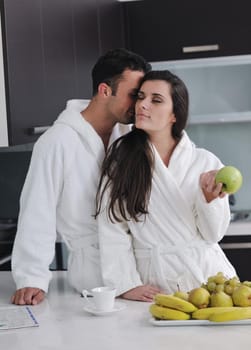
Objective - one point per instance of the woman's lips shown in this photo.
(142, 116)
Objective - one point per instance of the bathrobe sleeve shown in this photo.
(34, 244)
(118, 264)
(212, 218)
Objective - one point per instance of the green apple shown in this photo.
(230, 177)
(242, 296)
(200, 297)
(220, 299)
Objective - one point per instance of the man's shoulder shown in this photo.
(58, 135)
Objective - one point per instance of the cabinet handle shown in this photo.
(36, 130)
(245, 245)
(5, 260)
(200, 48)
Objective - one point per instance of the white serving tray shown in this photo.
(165, 323)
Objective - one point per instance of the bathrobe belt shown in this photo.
(83, 242)
(155, 252)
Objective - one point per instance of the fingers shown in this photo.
(209, 187)
(28, 296)
(18, 297)
(207, 181)
(38, 297)
(148, 293)
(142, 293)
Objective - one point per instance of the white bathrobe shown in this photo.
(176, 243)
(58, 198)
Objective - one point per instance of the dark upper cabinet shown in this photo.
(111, 24)
(49, 49)
(171, 30)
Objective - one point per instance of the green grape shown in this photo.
(219, 288)
(247, 283)
(211, 286)
(220, 278)
(204, 285)
(228, 289)
(210, 279)
(234, 281)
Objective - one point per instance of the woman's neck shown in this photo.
(165, 147)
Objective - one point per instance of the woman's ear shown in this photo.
(104, 89)
(173, 119)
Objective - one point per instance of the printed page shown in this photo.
(16, 317)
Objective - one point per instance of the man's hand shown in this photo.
(210, 189)
(28, 296)
(142, 293)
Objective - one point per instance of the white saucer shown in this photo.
(92, 310)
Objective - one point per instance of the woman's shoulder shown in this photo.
(208, 157)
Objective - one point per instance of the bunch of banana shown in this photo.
(173, 302)
(223, 314)
(242, 313)
(206, 313)
(169, 307)
(166, 313)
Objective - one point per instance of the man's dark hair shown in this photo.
(110, 67)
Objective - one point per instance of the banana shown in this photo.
(241, 313)
(165, 313)
(204, 314)
(174, 302)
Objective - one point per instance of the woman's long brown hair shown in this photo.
(127, 172)
(127, 168)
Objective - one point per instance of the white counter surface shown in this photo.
(64, 325)
(239, 228)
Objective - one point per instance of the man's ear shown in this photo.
(104, 89)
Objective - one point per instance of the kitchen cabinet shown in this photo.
(49, 49)
(238, 250)
(171, 30)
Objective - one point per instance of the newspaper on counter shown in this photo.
(12, 317)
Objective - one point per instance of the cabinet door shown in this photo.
(169, 30)
(238, 251)
(111, 26)
(50, 47)
(24, 74)
(86, 44)
(58, 61)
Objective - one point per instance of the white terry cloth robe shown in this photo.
(58, 198)
(176, 243)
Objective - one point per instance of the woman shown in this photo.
(159, 210)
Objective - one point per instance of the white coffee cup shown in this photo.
(103, 298)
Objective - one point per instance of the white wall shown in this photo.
(3, 114)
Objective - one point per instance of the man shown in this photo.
(59, 192)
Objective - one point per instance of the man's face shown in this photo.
(121, 105)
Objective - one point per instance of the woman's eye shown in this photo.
(140, 97)
(156, 101)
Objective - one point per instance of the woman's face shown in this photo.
(154, 107)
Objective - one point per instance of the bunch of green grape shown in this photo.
(220, 283)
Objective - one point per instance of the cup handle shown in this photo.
(85, 293)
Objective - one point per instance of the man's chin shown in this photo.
(131, 119)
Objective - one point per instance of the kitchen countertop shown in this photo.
(239, 228)
(64, 325)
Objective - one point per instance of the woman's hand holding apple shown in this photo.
(210, 189)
